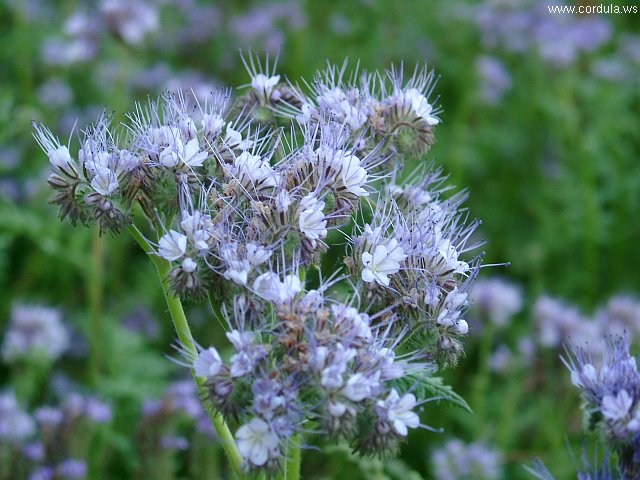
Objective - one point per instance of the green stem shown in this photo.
(483, 375)
(95, 289)
(294, 459)
(186, 340)
(505, 429)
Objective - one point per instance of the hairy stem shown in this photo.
(294, 459)
(186, 340)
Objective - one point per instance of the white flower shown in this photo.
(385, 261)
(105, 181)
(318, 357)
(126, 161)
(459, 327)
(212, 125)
(191, 154)
(398, 411)
(240, 340)
(616, 408)
(336, 102)
(269, 287)
(336, 409)
(588, 371)
(283, 201)
(208, 363)
(330, 99)
(60, 157)
(247, 354)
(257, 442)
(200, 239)
(389, 368)
(233, 139)
(172, 245)
(194, 226)
(264, 85)
(164, 135)
(188, 154)
(449, 316)
(253, 169)
(311, 220)
(238, 271)
(449, 255)
(190, 222)
(359, 387)
(96, 159)
(169, 156)
(307, 111)
(188, 265)
(418, 103)
(353, 175)
(354, 322)
(331, 375)
(188, 127)
(257, 254)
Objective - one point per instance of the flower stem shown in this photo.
(294, 459)
(95, 287)
(186, 340)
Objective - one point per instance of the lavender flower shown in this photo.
(72, 469)
(621, 314)
(257, 442)
(15, 424)
(494, 79)
(612, 398)
(130, 21)
(35, 329)
(521, 25)
(496, 299)
(558, 321)
(456, 461)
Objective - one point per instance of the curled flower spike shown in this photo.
(248, 202)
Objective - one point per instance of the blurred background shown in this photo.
(541, 115)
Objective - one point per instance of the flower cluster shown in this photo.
(245, 197)
(611, 395)
(313, 360)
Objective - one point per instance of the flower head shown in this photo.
(256, 442)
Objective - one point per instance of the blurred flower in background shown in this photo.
(34, 330)
(459, 461)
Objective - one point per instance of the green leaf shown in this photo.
(430, 387)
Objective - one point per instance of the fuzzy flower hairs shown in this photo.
(240, 199)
